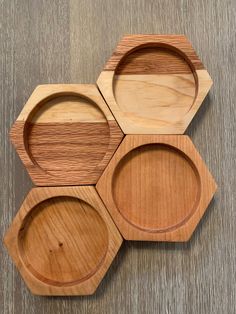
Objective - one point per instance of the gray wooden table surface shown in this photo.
(58, 41)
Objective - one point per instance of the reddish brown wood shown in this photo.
(63, 240)
(150, 60)
(156, 187)
(177, 43)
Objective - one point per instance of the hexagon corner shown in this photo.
(58, 256)
(65, 134)
(154, 84)
(156, 188)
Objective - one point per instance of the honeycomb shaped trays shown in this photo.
(153, 183)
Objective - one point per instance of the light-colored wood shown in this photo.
(65, 135)
(154, 84)
(156, 187)
(63, 240)
(70, 41)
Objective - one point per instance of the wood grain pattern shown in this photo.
(156, 187)
(63, 241)
(68, 108)
(152, 60)
(154, 84)
(64, 138)
(154, 103)
(70, 41)
(178, 43)
(84, 146)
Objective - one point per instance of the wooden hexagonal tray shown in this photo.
(156, 187)
(65, 135)
(63, 240)
(154, 84)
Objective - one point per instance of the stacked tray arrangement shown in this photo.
(109, 162)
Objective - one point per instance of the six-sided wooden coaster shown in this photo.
(156, 187)
(63, 240)
(65, 135)
(154, 84)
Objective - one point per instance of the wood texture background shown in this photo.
(58, 41)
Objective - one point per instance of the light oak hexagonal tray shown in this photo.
(154, 84)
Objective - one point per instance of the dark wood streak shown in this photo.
(66, 153)
(153, 61)
(61, 147)
(172, 43)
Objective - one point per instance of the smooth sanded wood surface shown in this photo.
(154, 84)
(63, 240)
(70, 42)
(156, 187)
(65, 134)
